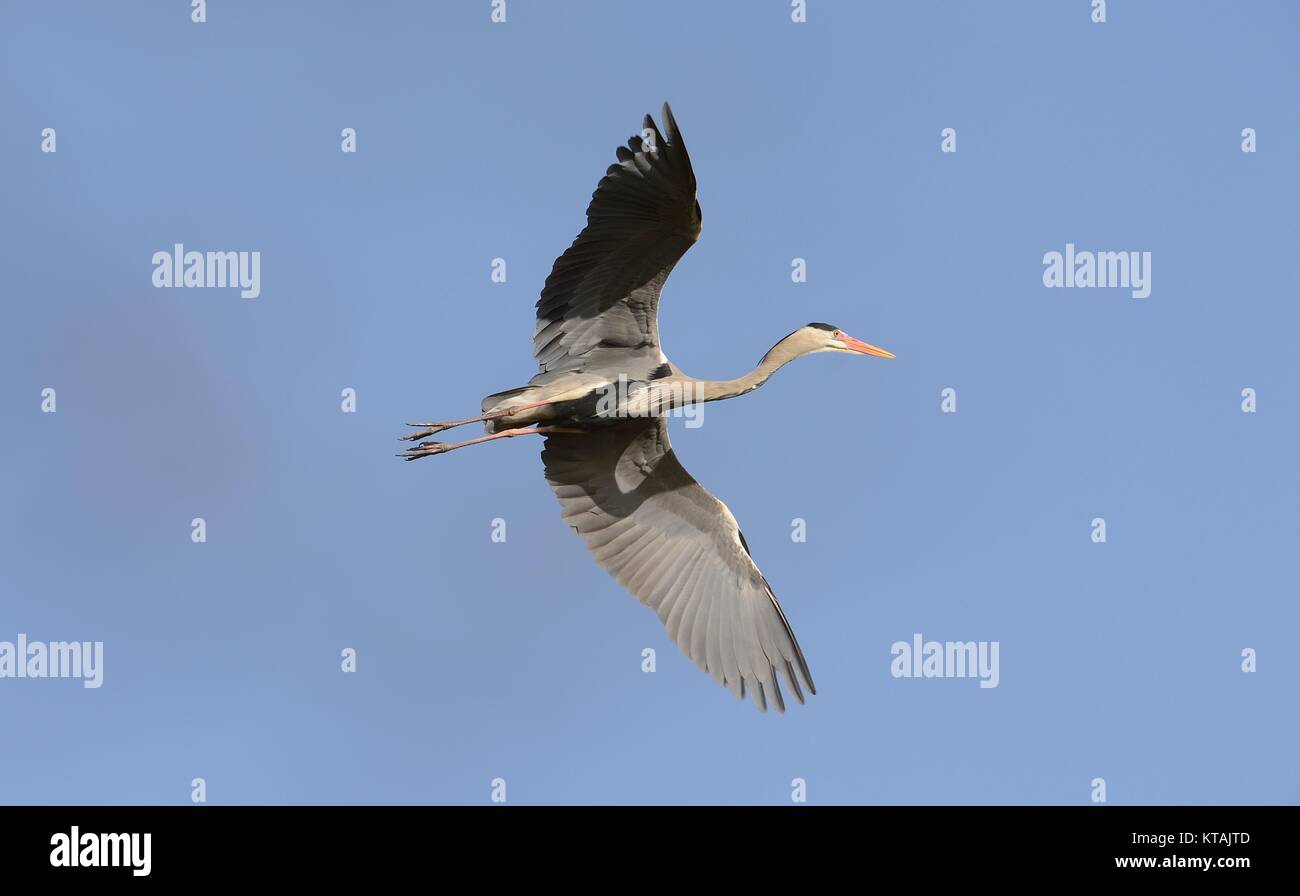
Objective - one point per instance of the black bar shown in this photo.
(334, 843)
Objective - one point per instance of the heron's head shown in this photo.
(818, 337)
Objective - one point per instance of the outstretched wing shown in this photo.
(678, 550)
(599, 309)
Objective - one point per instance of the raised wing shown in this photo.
(599, 309)
(678, 550)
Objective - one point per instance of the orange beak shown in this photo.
(862, 348)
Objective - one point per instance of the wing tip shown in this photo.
(670, 123)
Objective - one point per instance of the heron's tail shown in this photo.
(499, 401)
(497, 398)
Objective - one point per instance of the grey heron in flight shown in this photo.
(600, 399)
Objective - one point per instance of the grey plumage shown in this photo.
(679, 551)
(600, 305)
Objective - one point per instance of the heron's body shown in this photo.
(600, 397)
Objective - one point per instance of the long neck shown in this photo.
(781, 354)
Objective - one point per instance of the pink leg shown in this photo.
(434, 428)
(427, 449)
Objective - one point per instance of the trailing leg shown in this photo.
(428, 449)
(435, 428)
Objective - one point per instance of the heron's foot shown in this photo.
(430, 429)
(426, 449)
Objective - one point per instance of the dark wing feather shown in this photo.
(600, 305)
(678, 550)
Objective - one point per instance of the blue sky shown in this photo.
(522, 660)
